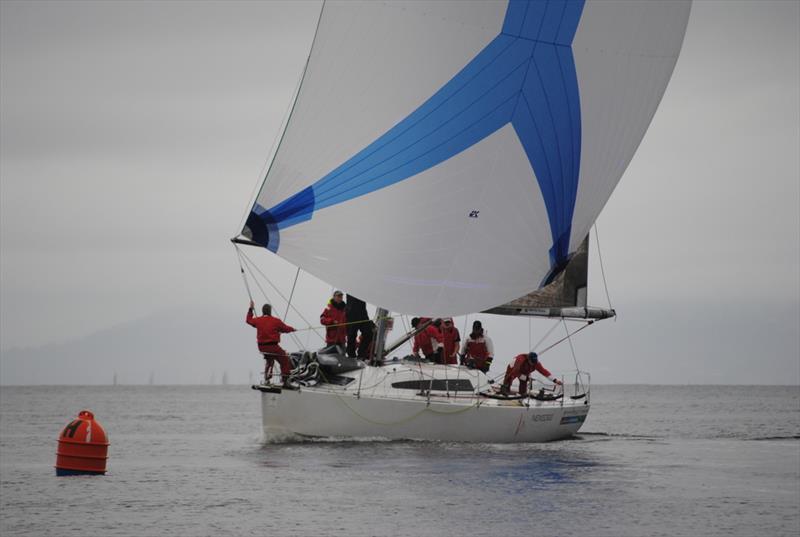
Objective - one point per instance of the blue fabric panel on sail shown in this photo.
(264, 225)
(525, 76)
(295, 209)
(474, 104)
(262, 228)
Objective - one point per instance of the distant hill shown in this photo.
(177, 348)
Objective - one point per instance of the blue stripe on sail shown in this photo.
(263, 229)
(525, 76)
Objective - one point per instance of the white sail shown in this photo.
(448, 157)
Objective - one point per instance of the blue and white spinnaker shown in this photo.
(447, 157)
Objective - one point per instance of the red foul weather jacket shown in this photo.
(521, 369)
(428, 340)
(268, 329)
(451, 339)
(332, 315)
(479, 349)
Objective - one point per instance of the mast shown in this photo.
(380, 337)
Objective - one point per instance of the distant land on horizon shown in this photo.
(198, 347)
(205, 344)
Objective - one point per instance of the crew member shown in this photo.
(268, 337)
(450, 340)
(429, 340)
(523, 366)
(477, 352)
(356, 310)
(334, 318)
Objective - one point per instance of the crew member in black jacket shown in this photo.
(357, 311)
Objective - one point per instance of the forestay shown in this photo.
(447, 157)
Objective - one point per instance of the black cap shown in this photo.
(533, 357)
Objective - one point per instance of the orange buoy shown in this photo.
(82, 447)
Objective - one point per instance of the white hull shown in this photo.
(378, 411)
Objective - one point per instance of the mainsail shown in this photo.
(447, 157)
(564, 296)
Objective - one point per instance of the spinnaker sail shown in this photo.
(447, 157)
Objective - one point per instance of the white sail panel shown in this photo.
(372, 64)
(404, 247)
(568, 290)
(625, 53)
(485, 136)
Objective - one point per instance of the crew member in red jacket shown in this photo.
(334, 317)
(478, 350)
(523, 366)
(268, 336)
(450, 339)
(429, 341)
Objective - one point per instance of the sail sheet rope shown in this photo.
(291, 295)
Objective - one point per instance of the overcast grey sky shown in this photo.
(132, 135)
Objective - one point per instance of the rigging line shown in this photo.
(249, 263)
(574, 359)
(338, 324)
(602, 270)
(289, 303)
(555, 325)
(292, 335)
(266, 297)
(244, 276)
(567, 337)
(405, 326)
(571, 348)
(406, 332)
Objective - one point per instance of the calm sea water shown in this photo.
(650, 460)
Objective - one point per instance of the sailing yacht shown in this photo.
(445, 158)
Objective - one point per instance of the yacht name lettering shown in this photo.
(543, 417)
